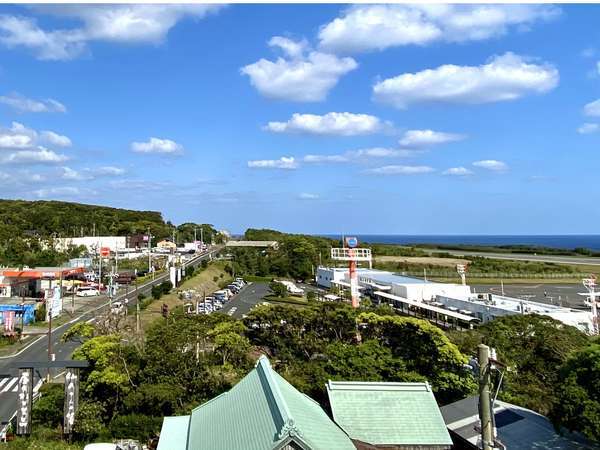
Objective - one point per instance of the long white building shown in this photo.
(93, 243)
(410, 288)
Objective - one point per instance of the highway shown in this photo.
(591, 261)
(37, 351)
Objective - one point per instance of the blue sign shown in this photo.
(351, 242)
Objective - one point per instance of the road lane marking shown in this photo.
(3, 380)
(9, 385)
(232, 311)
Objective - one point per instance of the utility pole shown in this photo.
(202, 235)
(195, 228)
(485, 410)
(137, 309)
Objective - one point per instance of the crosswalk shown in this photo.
(12, 385)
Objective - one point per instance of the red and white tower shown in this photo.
(351, 253)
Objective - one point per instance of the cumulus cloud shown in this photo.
(109, 23)
(157, 145)
(333, 123)
(588, 128)
(360, 155)
(502, 78)
(23, 104)
(90, 174)
(458, 171)
(492, 164)
(592, 109)
(376, 27)
(62, 191)
(285, 162)
(401, 170)
(308, 196)
(302, 75)
(35, 156)
(428, 138)
(56, 139)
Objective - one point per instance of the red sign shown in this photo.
(104, 251)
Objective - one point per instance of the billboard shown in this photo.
(71, 398)
(24, 400)
(54, 302)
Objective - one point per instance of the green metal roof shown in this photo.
(388, 413)
(262, 412)
(173, 434)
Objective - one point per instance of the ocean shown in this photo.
(591, 241)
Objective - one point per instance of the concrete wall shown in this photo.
(93, 243)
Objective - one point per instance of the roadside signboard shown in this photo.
(352, 242)
(9, 321)
(104, 251)
(25, 399)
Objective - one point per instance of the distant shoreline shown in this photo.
(563, 242)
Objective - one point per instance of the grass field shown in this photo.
(442, 262)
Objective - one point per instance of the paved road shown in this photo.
(246, 299)
(526, 257)
(38, 349)
(556, 294)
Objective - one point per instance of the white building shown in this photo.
(93, 243)
(379, 280)
(487, 307)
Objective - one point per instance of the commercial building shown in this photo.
(486, 307)
(166, 245)
(371, 280)
(517, 428)
(34, 282)
(93, 243)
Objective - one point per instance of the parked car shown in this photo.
(117, 308)
(87, 292)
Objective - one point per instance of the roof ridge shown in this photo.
(288, 427)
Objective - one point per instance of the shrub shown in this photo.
(135, 426)
(48, 409)
(89, 421)
(40, 313)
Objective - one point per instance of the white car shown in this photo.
(87, 292)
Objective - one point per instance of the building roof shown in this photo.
(263, 411)
(428, 306)
(173, 434)
(388, 413)
(518, 428)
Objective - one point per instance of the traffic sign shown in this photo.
(104, 251)
(352, 242)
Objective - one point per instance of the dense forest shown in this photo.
(28, 228)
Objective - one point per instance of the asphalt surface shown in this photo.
(525, 257)
(556, 294)
(246, 299)
(37, 350)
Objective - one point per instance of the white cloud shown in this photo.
(360, 155)
(401, 170)
(24, 104)
(90, 174)
(18, 136)
(492, 164)
(285, 162)
(61, 191)
(308, 196)
(71, 174)
(157, 145)
(592, 109)
(458, 171)
(302, 75)
(502, 78)
(55, 139)
(110, 170)
(377, 27)
(112, 23)
(37, 156)
(588, 128)
(333, 123)
(426, 138)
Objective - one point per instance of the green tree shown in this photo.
(577, 406)
(278, 289)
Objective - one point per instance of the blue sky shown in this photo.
(308, 118)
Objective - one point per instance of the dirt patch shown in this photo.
(442, 262)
